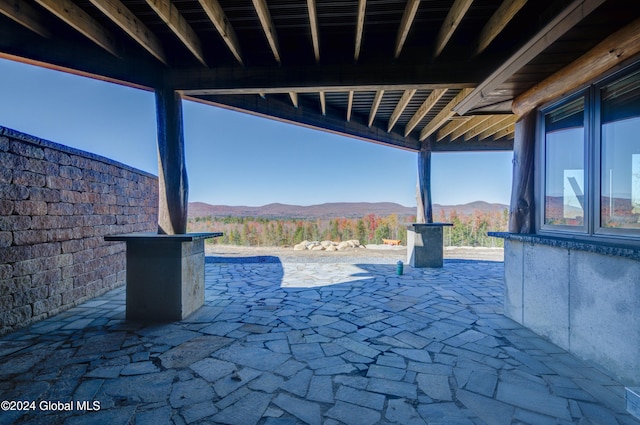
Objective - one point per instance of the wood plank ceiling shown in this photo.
(434, 74)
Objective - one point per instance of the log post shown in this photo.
(425, 209)
(173, 186)
(522, 209)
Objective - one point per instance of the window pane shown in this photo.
(564, 160)
(620, 167)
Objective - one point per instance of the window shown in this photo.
(590, 154)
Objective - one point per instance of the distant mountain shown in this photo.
(333, 209)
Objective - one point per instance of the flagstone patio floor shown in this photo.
(299, 342)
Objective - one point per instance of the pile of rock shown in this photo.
(328, 245)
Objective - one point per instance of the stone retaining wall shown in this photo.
(56, 205)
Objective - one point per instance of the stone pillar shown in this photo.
(425, 208)
(173, 186)
(522, 209)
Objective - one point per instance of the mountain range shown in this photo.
(333, 209)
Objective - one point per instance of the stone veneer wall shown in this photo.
(56, 205)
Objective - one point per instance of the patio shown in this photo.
(286, 342)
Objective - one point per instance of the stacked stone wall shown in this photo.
(56, 205)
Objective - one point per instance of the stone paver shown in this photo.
(308, 343)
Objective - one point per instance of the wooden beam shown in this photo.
(468, 126)
(217, 16)
(451, 22)
(80, 20)
(424, 109)
(332, 78)
(492, 121)
(349, 105)
(444, 115)
(323, 104)
(294, 98)
(362, 5)
(400, 107)
(130, 24)
(171, 16)
(554, 29)
(374, 106)
(614, 49)
(509, 119)
(313, 23)
(26, 15)
(497, 22)
(503, 133)
(407, 19)
(267, 26)
(452, 126)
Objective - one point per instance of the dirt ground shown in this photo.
(381, 252)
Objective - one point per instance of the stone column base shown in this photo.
(424, 245)
(165, 274)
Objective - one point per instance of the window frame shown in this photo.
(592, 229)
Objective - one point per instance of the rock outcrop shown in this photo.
(328, 245)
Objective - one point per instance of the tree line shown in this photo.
(467, 229)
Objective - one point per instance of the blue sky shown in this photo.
(235, 158)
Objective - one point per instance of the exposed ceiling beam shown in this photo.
(497, 22)
(452, 126)
(307, 115)
(349, 105)
(267, 26)
(80, 20)
(424, 109)
(451, 22)
(171, 16)
(323, 104)
(294, 98)
(506, 132)
(130, 24)
(554, 29)
(614, 49)
(493, 120)
(510, 119)
(444, 115)
(313, 78)
(407, 19)
(374, 106)
(217, 16)
(26, 15)
(362, 5)
(468, 126)
(400, 107)
(313, 23)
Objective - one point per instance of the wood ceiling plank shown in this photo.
(452, 126)
(130, 24)
(503, 15)
(313, 23)
(444, 115)
(400, 107)
(80, 20)
(423, 110)
(451, 22)
(267, 26)
(374, 106)
(552, 31)
(362, 5)
(26, 15)
(405, 24)
(219, 19)
(171, 16)
(469, 126)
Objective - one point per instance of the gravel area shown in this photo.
(376, 254)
